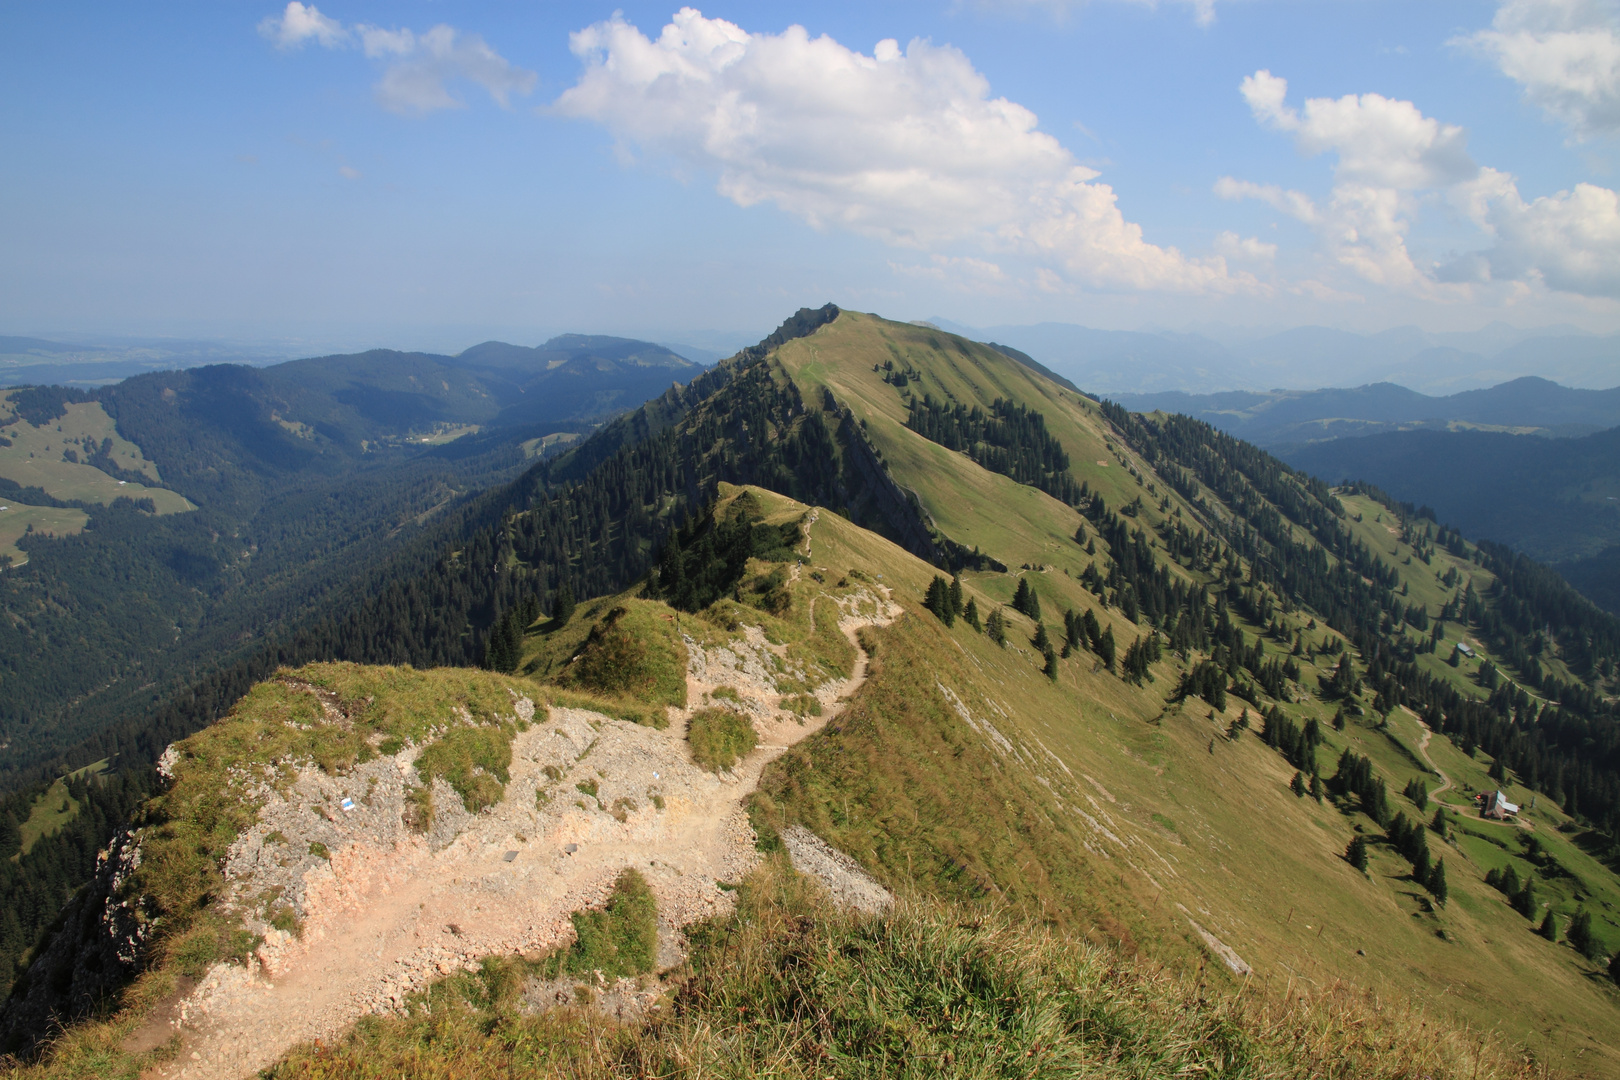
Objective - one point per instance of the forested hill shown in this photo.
(1556, 500)
(276, 490)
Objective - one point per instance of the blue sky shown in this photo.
(433, 174)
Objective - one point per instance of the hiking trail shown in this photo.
(389, 910)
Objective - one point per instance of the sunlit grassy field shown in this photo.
(37, 458)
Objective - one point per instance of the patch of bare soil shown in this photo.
(358, 911)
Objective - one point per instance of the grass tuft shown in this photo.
(720, 738)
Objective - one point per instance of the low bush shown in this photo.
(720, 738)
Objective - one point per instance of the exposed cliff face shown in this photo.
(96, 946)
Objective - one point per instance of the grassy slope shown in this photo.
(1218, 831)
(16, 519)
(35, 458)
(55, 807)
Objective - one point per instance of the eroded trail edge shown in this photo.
(387, 910)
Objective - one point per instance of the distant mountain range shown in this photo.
(569, 378)
(1116, 362)
(1556, 500)
(1526, 406)
(33, 361)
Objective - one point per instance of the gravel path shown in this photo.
(384, 910)
(1445, 781)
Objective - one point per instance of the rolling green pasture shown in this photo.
(16, 519)
(37, 457)
(55, 807)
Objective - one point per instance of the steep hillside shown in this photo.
(1553, 499)
(275, 924)
(168, 522)
(1146, 686)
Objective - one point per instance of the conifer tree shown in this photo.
(1105, 648)
(1439, 822)
(1051, 668)
(996, 627)
(1614, 968)
(1581, 937)
(955, 595)
(1041, 641)
(1524, 902)
(1020, 600)
(1297, 785)
(1549, 926)
(1356, 853)
(938, 601)
(1316, 787)
(1420, 856)
(562, 605)
(970, 615)
(1437, 882)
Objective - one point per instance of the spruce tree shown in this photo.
(1297, 785)
(1439, 822)
(1581, 937)
(1021, 595)
(1437, 881)
(955, 595)
(970, 615)
(1524, 902)
(1549, 926)
(1051, 669)
(1316, 787)
(1420, 856)
(1356, 853)
(1105, 648)
(562, 606)
(1041, 641)
(938, 601)
(996, 627)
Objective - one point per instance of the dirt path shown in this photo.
(391, 910)
(1423, 752)
(1445, 781)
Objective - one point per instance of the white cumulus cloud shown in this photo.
(1381, 142)
(1566, 55)
(298, 24)
(419, 67)
(1244, 248)
(1389, 156)
(905, 145)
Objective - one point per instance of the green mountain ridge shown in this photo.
(1195, 638)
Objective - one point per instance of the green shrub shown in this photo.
(473, 760)
(613, 661)
(801, 704)
(720, 738)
